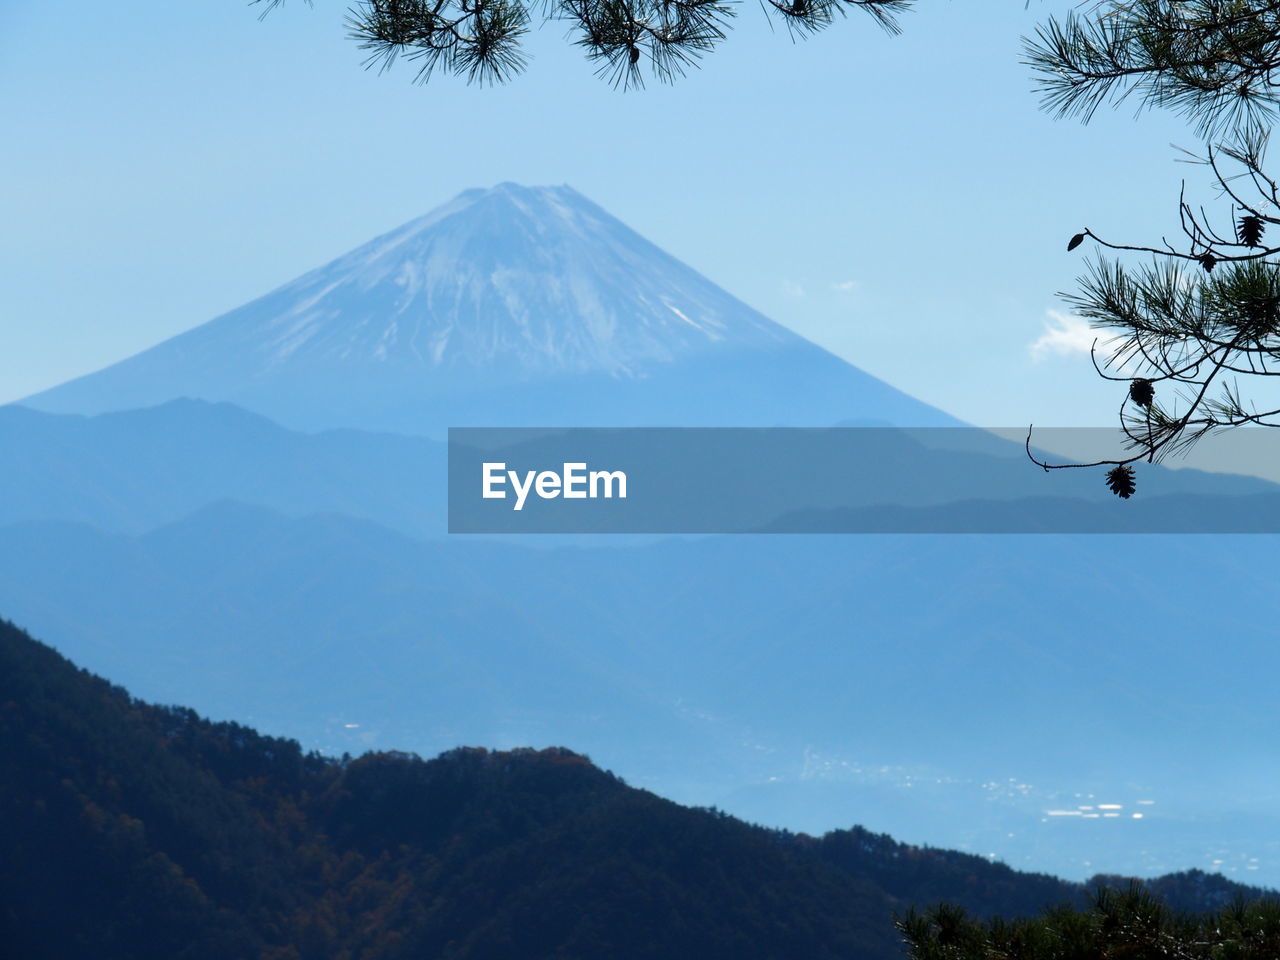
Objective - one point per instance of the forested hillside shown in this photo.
(132, 830)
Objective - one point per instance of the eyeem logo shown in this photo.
(573, 482)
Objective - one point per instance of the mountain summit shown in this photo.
(508, 306)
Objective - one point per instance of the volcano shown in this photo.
(511, 306)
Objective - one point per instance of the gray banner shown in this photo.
(840, 480)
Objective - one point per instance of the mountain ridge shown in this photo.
(140, 831)
(130, 471)
(309, 625)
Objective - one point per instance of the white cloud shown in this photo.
(792, 288)
(1066, 336)
(846, 286)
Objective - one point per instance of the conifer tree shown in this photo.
(1116, 925)
(1201, 315)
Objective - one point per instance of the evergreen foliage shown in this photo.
(480, 40)
(1116, 924)
(1205, 314)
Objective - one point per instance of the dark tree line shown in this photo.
(1116, 925)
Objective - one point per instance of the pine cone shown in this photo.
(1249, 230)
(1208, 261)
(634, 54)
(1075, 242)
(1120, 481)
(1142, 392)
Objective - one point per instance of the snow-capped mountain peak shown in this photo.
(507, 305)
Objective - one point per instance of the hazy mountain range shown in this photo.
(948, 689)
(986, 692)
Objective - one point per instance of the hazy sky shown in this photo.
(900, 200)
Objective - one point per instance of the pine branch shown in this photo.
(1214, 62)
(480, 40)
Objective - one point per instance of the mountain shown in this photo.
(132, 471)
(974, 691)
(509, 306)
(134, 831)
(952, 690)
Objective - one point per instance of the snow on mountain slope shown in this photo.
(504, 306)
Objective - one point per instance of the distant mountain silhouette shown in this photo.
(970, 659)
(136, 470)
(507, 306)
(134, 831)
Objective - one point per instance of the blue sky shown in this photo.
(900, 200)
